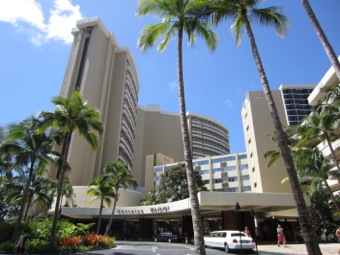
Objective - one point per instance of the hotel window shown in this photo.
(245, 189)
(232, 179)
(244, 167)
(244, 177)
(219, 180)
(242, 156)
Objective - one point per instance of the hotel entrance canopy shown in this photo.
(211, 203)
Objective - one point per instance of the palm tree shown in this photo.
(120, 176)
(314, 168)
(323, 38)
(244, 13)
(71, 114)
(180, 17)
(101, 188)
(151, 198)
(318, 127)
(30, 150)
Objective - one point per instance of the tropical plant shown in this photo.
(101, 188)
(151, 198)
(313, 168)
(245, 13)
(30, 150)
(318, 127)
(120, 176)
(173, 185)
(71, 114)
(180, 17)
(323, 38)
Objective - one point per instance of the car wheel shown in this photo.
(155, 239)
(226, 247)
(169, 240)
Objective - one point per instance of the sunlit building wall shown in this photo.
(292, 106)
(228, 173)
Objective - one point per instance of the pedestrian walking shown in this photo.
(280, 236)
(247, 232)
(337, 232)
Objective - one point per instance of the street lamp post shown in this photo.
(252, 213)
(237, 208)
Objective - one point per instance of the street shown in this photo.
(149, 248)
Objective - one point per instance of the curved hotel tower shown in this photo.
(106, 76)
(149, 140)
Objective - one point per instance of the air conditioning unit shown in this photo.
(223, 164)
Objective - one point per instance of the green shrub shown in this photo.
(38, 245)
(7, 246)
(6, 231)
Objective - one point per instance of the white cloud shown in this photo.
(228, 103)
(28, 16)
(172, 86)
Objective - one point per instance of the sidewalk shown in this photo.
(298, 249)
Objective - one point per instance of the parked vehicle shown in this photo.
(229, 240)
(168, 237)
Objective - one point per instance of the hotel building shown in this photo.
(292, 106)
(149, 139)
(228, 173)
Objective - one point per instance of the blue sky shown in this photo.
(36, 41)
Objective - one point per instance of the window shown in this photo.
(158, 169)
(242, 156)
(244, 167)
(219, 180)
(232, 179)
(244, 177)
(204, 172)
(217, 170)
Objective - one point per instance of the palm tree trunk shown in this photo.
(305, 220)
(108, 227)
(324, 41)
(332, 151)
(195, 209)
(23, 202)
(60, 187)
(30, 198)
(100, 215)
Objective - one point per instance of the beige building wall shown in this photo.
(151, 161)
(107, 79)
(157, 132)
(257, 126)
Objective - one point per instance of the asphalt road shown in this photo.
(150, 248)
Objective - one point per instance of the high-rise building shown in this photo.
(208, 138)
(292, 106)
(159, 132)
(228, 173)
(106, 76)
(295, 102)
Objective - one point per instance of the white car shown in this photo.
(229, 240)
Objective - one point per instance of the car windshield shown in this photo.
(238, 234)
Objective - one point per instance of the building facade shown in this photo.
(227, 173)
(291, 103)
(150, 140)
(106, 76)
